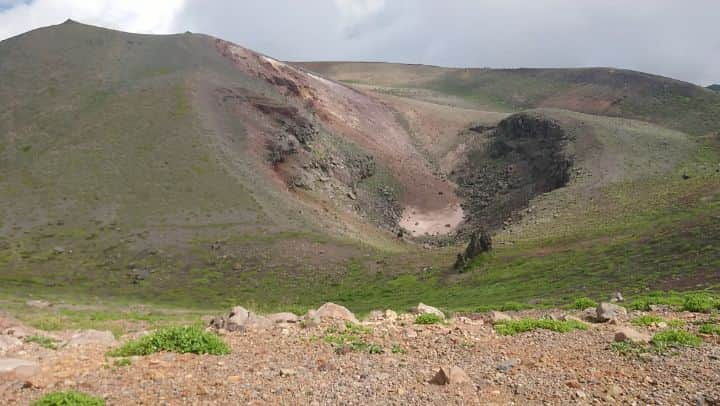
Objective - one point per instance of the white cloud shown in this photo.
(145, 16)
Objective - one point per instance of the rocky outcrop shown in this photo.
(527, 155)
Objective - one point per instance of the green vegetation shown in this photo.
(583, 303)
(709, 328)
(398, 349)
(428, 318)
(42, 341)
(174, 339)
(122, 362)
(700, 303)
(513, 327)
(675, 338)
(646, 320)
(69, 398)
(353, 337)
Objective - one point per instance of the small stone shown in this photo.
(287, 372)
(41, 304)
(506, 365)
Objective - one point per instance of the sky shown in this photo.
(679, 39)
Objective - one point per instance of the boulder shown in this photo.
(448, 375)
(497, 317)
(608, 311)
(334, 311)
(284, 317)
(390, 315)
(17, 369)
(376, 315)
(631, 335)
(311, 319)
(237, 318)
(257, 322)
(425, 309)
(617, 297)
(92, 337)
(8, 343)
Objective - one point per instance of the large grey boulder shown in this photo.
(608, 311)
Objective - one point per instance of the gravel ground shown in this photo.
(294, 365)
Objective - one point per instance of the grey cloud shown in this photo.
(677, 39)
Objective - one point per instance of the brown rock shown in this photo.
(631, 335)
(334, 311)
(496, 317)
(448, 375)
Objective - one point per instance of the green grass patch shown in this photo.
(69, 398)
(700, 303)
(42, 341)
(646, 320)
(353, 337)
(428, 318)
(513, 327)
(174, 339)
(397, 349)
(710, 328)
(122, 362)
(675, 338)
(583, 303)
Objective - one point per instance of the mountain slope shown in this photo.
(612, 92)
(185, 168)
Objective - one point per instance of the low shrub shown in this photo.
(699, 303)
(175, 339)
(675, 338)
(69, 398)
(513, 327)
(646, 320)
(42, 341)
(583, 303)
(709, 328)
(428, 318)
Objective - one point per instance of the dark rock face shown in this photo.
(480, 241)
(526, 155)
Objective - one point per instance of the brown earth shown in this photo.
(293, 365)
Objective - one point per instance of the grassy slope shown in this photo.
(647, 231)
